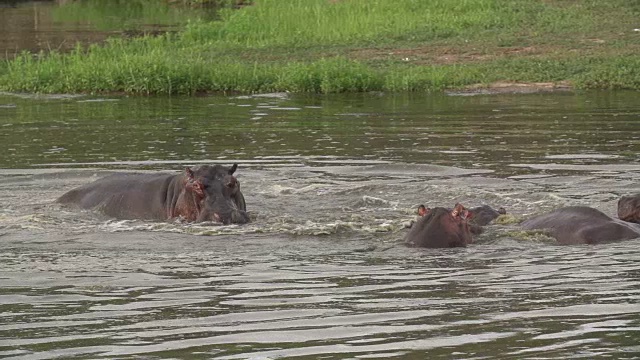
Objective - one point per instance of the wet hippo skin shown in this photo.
(204, 193)
(441, 228)
(629, 208)
(483, 215)
(478, 216)
(583, 225)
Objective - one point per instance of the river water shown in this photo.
(46, 25)
(321, 271)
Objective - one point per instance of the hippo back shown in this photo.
(125, 196)
(582, 225)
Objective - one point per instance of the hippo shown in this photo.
(583, 225)
(629, 208)
(479, 216)
(441, 228)
(483, 215)
(204, 193)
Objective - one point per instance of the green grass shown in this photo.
(301, 23)
(357, 45)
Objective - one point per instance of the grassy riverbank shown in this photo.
(358, 45)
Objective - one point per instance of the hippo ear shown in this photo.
(459, 210)
(233, 169)
(189, 173)
(423, 210)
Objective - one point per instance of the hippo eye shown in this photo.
(231, 183)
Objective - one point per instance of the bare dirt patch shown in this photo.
(444, 55)
(503, 87)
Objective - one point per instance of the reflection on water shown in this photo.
(476, 132)
(59, 25)
(331, 183)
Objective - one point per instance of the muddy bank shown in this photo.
(505, 87)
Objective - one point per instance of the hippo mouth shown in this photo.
(234, 216)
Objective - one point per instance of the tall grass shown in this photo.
(322, 22)
(329, 22)
(214, 56)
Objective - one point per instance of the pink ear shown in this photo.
(422, 210)
(457, 210)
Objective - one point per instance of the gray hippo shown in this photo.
(483, 215)
(440, 228)
(629, 208)
(583, 225)
(204, 193)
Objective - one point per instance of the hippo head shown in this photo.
(212, 193)
(629, 208)
(441, 228)
(483, 215)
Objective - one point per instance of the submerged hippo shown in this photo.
(629, 208)
(441, 228)
(483, 215)
(478, 216)
(204, 193)
(583, 225)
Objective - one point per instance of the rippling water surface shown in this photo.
(321, 272)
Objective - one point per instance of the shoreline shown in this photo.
(501, 87)
(314, 46)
